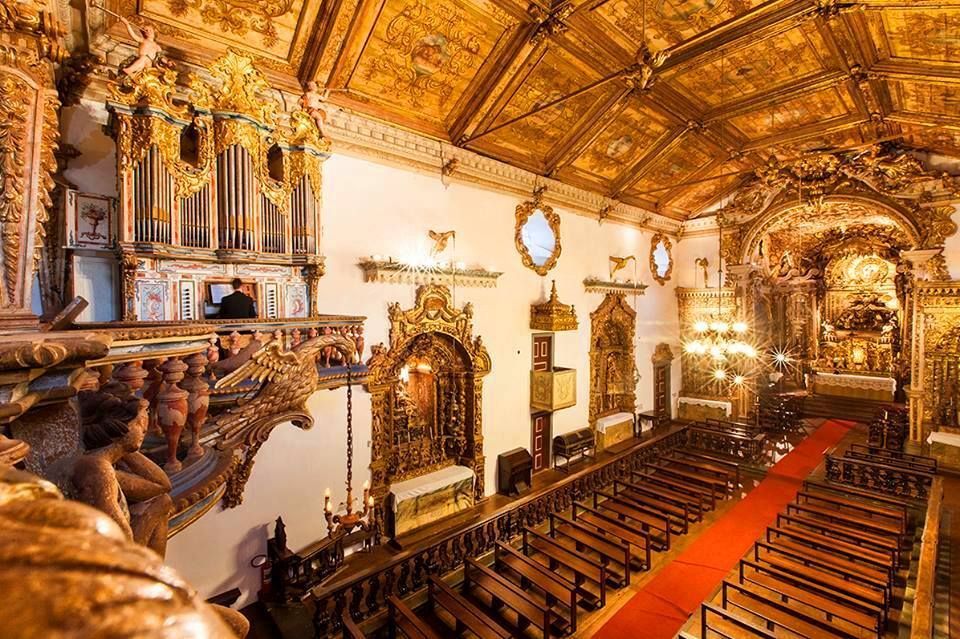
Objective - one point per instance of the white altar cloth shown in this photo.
(610, 421)
(727, 407)
(849, 385)
(430, 483)
(950, 439)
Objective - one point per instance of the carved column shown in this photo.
(198, 399)
(172, 410)
(29, 135)
(128, 283)
(312, 274)
(918, 259)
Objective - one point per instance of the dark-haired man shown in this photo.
(237, 305)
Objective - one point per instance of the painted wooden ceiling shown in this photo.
(563, 87)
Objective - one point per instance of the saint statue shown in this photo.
(314, 102)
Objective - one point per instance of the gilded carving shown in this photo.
(612, 358)
(553, 315)
(660, 250)
(237, 16)
(525, 212)
(15, 100)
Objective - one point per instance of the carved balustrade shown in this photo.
(891, 480)
(747, 448)
(364, 594)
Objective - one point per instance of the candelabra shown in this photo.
(340, 524)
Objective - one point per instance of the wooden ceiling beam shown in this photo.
(917, 72)
(826, 127)
(583, 136)
(641, 165)
(927, 120)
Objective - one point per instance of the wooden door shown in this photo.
(543, 352)
(540, 436)
(661, 393)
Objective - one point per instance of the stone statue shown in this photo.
(314, 102)
(148, 51)
(69, 570)
(111, 473)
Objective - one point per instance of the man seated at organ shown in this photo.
(237, 305)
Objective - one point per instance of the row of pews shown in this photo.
(889, 427)
(548, 576)
(884, 470)
(828, 568)
(781, 412)
(740, 441)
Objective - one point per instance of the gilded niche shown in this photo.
(426, 392)
(612, 365)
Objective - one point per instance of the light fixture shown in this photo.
(720, 374)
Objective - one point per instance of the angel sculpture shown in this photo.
(148, 50)
(619, 263)
(314, 102)
(290, 377)
(703, 264)
(440, 240)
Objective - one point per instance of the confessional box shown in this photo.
(553, 390)
(514, 472)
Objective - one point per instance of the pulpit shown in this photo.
(429, 498)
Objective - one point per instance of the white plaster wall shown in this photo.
(375, 209)
(686, 273)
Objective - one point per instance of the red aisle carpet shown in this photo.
(660, 609)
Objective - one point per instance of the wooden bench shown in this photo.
(504, 593)
(930, 462)
(701, 469)
(584, 537)
(583, 567)
(847, 519)
(757, 602)
(829, 560)
(705, 496)
(637, 538)
(717, 486)
(694, 503)
(881, 558)
(833, 552)
(897, 517)
(865, 590)
(650, 521)
(853, 492)
(833, 603)
(555, 588)
(466, 614)
(350, 628)
(716, 622)
(407, 622)
(844, 533)
(678, 514)
(731, 468)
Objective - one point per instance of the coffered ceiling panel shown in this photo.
(683, 162)
(926, 98)
(937, 139)
(825, 104)
(758, 67)
(691, 199)
(668, 22)
(922, 34)
(627, 137)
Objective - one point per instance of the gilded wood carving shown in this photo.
(612, 358)
(537, 235)
(661, 258)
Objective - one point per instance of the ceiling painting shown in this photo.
(697, 196)
(759, 67)
(669, 22)
(559, 88)
(622, 142)
(825, 104)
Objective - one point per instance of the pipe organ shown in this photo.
(219, 184)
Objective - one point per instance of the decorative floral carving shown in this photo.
(15, 100)
(612, 363)
(237, 16)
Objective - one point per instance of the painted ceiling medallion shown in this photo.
(538, 235)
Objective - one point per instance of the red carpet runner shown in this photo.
(660, 609)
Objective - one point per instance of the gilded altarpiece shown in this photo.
(427, 393)
(612, 364)
(934, 400)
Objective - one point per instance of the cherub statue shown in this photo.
(314, 102)
(148, 50)
(111, 473)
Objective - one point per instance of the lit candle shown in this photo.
(326, 500)
(370, 501)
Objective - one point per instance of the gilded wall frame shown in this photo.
(524, 212)
(668, 246)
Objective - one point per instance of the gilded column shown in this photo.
(918, 259)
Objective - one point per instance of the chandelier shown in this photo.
(727, 346)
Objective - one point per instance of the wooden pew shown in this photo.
(866, 590)
(876, 451)
(717, 622)
(823, 559)
(694, 503)
(702, 469)
(834, 604)
(636, 538)
(704, 496)
(882, 477)
(717, 486)
(731, 468)
(846, 519)
(833, 552)
(732, 426)
(350, 628)
(555, 588)
(853, 492)
(467, 615)
(656, 524)
(844, 533)
(897, 517)
(892, 461)
(678, 513)
(773, 608)
(407, 621)
(504, 593)
(584, 568)
(882, 557)
(583, 537)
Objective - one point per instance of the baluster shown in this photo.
(152, 385)
(172, 410)
(198, 400)
(278, 335)
(373, 600)
(356, 599)
(321, 617)
(340, 604)
(132, 374)
(403, 582)
(234, 343)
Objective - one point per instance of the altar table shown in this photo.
(697, 409)
(431, 497)
(857, 386)
(614, 429)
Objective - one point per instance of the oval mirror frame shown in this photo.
(524, 212)
(655, 242)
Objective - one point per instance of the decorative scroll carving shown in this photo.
(426, 392)
(553, 315)
(612, 360)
